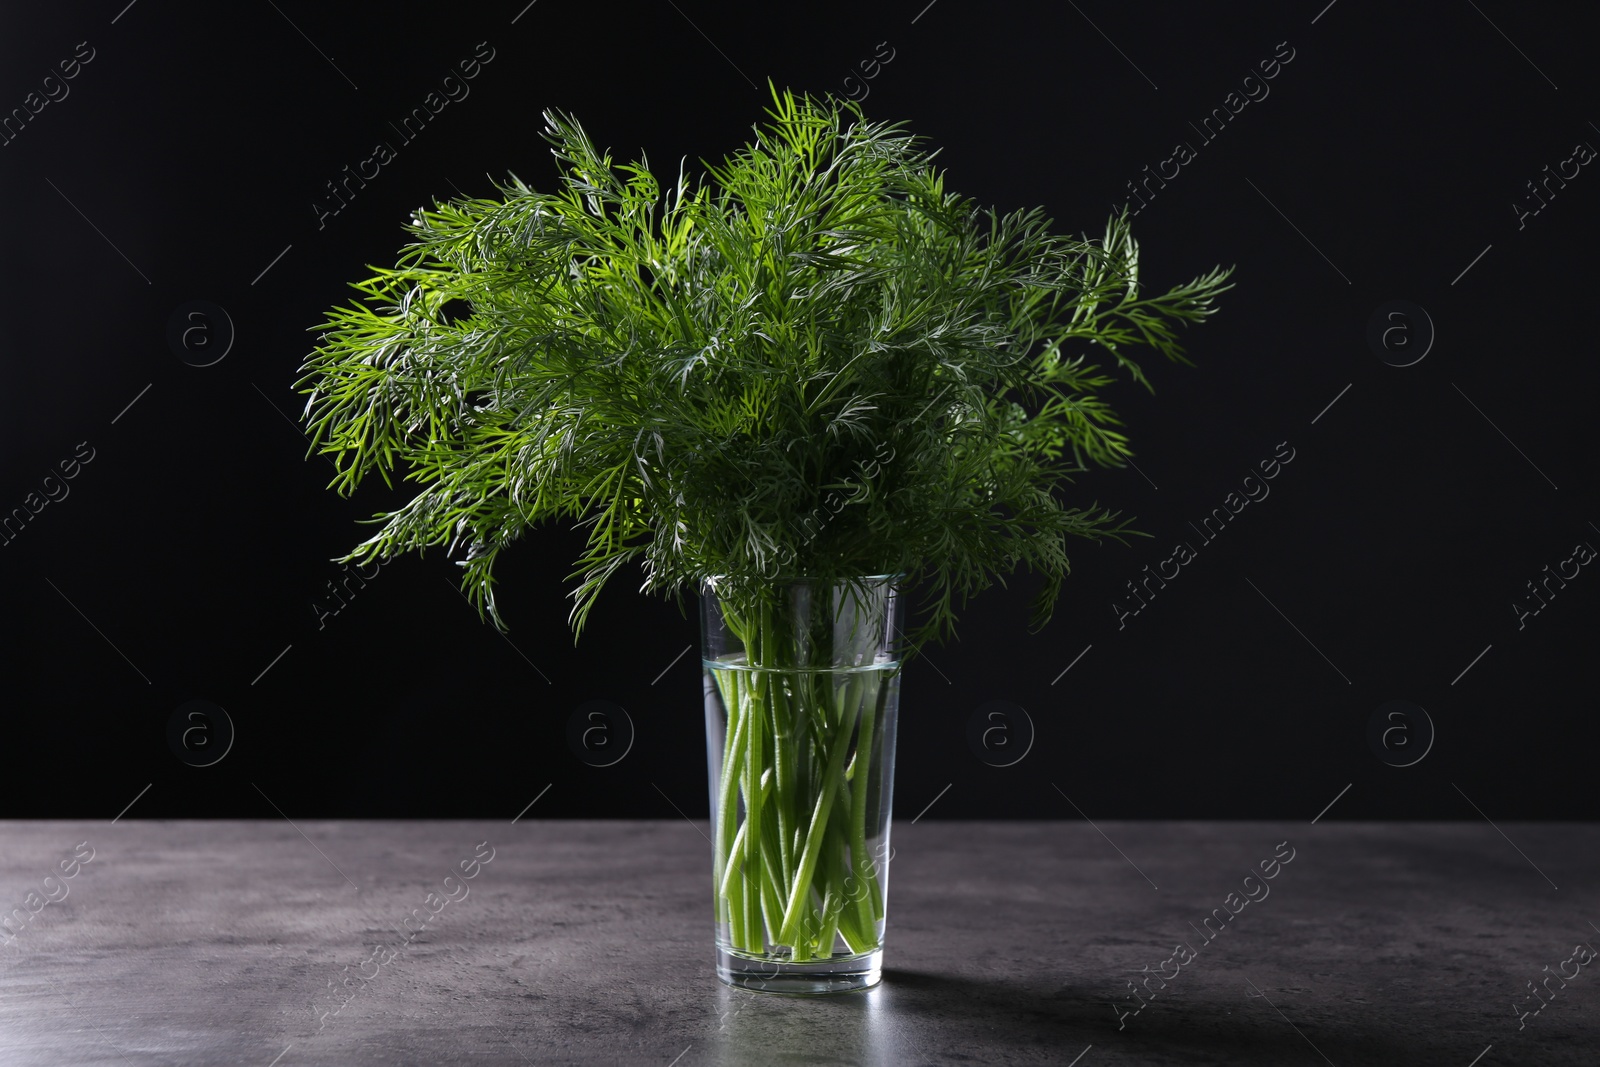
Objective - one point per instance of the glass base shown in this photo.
(841, 974)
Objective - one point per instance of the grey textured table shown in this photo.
(589, 942)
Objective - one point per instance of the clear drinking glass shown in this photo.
(802, 690)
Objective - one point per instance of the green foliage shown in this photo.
(821, 329)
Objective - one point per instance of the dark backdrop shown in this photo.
(188, 157)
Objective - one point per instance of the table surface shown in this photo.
(271, 943)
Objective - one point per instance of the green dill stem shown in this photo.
(857, 939)
(777, 654)
(732, 700)
(734, 863)
(740, 849)
(832, 904)
(783, 767)
(735, 770)
(865, 934)
(722, 830)
(737, 937)
(752, 916)
(755, 762)
(844, 825)
(799, 893)
(858, 820)
(771, 895)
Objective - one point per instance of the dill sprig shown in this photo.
(817, 362)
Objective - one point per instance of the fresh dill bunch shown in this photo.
(816, 363)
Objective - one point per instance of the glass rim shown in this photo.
(818, 580)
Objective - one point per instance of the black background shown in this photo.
(1383, 165)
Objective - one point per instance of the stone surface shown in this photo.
(589, 943)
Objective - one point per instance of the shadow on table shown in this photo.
(1001, 1021)
(916, 1018)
